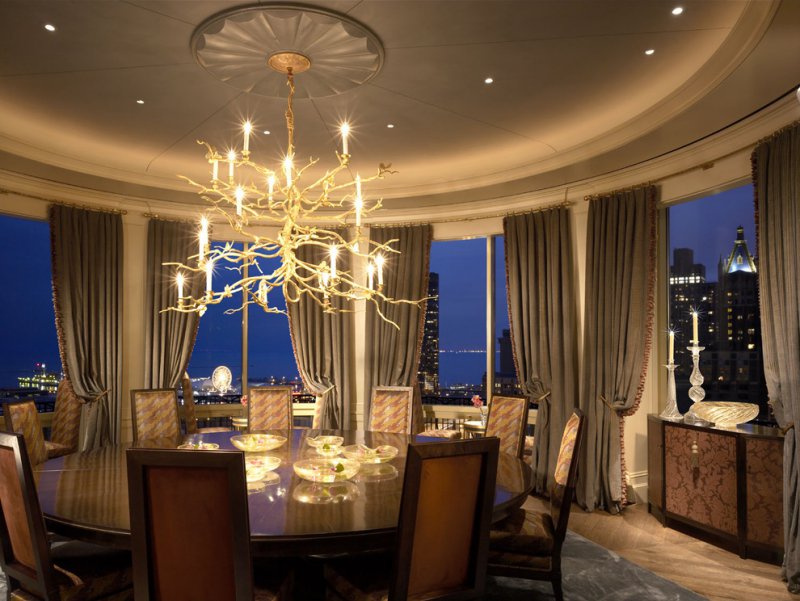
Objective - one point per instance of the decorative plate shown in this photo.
(364, 454)
(256, 443)
(325, 469)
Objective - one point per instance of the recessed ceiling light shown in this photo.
(678, 10)
(488, 80)
(266, 132)
(390, 125)
(49, 27)
(798, 94)
(140, 101)
(649, 52)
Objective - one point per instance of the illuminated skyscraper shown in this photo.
(428, 374)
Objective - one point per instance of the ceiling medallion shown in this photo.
(235, 46)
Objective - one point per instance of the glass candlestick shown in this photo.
(671, 412)
(696, 392)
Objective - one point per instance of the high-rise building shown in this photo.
(428, 374)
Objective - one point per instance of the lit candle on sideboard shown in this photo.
(695, 337)
(671, 346)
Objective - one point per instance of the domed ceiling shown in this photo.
(574, 90)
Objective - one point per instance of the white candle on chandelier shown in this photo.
(262, 292)
(345, 131)
(672, 346)
(203, 238)
(287, 168)
(231, 162)
(359, 203)
(214, 169)
(209, 272)
(247, 127)
(179, 281)
(239, 199)
(695, 337)
(370, 275)
(379, 264)
(271, 184)
(334, 252)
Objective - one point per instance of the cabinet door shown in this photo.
(701, 486)
(764, 474)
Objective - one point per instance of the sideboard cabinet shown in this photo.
(724, 486)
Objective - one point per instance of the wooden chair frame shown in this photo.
(286, 389)
(523, 423)
(418, 454)
(43, 581)
(405, 389)
(232, 462)
(560, 504)
(174, 394)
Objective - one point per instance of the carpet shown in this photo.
(592, 573)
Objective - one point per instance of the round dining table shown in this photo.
(85, 495)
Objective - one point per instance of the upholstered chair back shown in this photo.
(391, 409)
(269, 408)
(23, 418)
(155, 414)
(563, 487)
(508, 419)
(65, 429)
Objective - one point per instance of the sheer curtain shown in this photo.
(542, 307)
(392, 354)
(87, 277)
(169, 335)
(776, 174)
(618, 322)
(322, 344)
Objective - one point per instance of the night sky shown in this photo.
(28, 331)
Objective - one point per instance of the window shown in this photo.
(29, 355)
(713, 241)
(458, 270)
(505, 376)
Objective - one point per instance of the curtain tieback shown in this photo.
(607, 404)
(789, 426)
(544, 397)
(96, 398)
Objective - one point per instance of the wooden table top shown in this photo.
(85, 496)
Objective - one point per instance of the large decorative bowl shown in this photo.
(325, 469)
(257, 443)
(364, 454)
(725, 415)
(321, 441)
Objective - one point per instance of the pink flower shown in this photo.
(244, 399)
(477, 401)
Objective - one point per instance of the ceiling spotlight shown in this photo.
(649, 52)
(49, 27)
(488, 80)
(266, 132)
(678, 10)
(140, 101)
(390, 125)
(798, 94)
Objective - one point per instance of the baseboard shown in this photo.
(637, 487)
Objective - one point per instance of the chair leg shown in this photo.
(557, 591)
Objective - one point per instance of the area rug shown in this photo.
(592, 573)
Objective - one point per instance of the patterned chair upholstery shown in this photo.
(23, 418)
(391, 409)
(528, 544)
(438, 554)
(189, 415)
(155, 414)
(34, 572)
(269, 408)
(508, 420)
(65, 431)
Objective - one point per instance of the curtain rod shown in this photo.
(618, 191)
(157, 217)
(65, 204)
(562, 203)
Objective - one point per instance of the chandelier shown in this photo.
(256, 199)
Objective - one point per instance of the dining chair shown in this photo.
(66, 425)
(22, 417)
(189, 414)
(529, 544)
(269, 408)
(442, 532)
(190, 528)
(391, 409)
(34, 571)
(508, 420)
(154, 413)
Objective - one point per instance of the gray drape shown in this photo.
(618, 319)
(776, 173)
(392, 354)
(169, 336)
(542, 310)
(86, 251)
(322, 345)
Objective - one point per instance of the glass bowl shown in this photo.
(329, 450)
(256, 443)
(199, 446)
(376, 472)
(364, 454)
(320, 441)
(317, 493)
(725, 415)
(325, 469)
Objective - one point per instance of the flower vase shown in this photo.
(484, 415)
